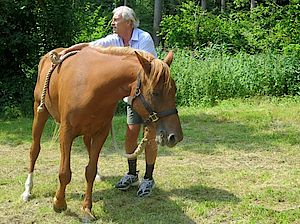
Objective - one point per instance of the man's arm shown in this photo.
(110, 40)
(75, 47)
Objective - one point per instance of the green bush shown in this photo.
(32, 28)
(94, 23)
(292, 49)
(29, 30)
(206, 78)
(213, 69)
(12, 112)
(265, 27)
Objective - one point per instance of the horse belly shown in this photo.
(84, 123)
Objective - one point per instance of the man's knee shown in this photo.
(133, 131)
(132, 135)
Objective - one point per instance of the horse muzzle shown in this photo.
(168, 139)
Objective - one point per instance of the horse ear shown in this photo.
(169, 58)
(144, 62)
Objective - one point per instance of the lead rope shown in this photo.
(55, 59)
(140, 148)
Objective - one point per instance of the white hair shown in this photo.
(127, 14)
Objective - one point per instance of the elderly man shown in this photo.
(126, 33)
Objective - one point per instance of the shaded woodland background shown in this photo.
(243, 48)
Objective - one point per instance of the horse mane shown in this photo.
(158, 67)
(159, 70)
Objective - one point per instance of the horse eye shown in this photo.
(155, 93)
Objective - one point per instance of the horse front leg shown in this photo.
(97, 142)
(38, 125)
(59, 202)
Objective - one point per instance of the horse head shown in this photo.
(155, 100)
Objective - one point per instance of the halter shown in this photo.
(153, 115)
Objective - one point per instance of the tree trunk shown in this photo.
(203, 4)
(252, 6)
(125, 2)
(156, 20)
(222, 6)
(171, 7)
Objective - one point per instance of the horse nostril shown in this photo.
(172, 139)
(161, 135)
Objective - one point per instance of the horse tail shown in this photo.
(56, 59)
(45, 88)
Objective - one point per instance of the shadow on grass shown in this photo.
(161, 207)
(203, 133)
(18, 131)
(201, 193)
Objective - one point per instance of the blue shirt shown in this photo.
(140, 40)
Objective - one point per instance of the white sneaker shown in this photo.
(146, 187)
(127, 181)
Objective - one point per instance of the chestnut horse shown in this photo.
(82, 95)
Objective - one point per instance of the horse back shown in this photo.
(85, 88)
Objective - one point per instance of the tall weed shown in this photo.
(205, 79)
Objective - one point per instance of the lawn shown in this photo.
(239, 162)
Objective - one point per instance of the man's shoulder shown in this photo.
(111, 39)
(142, 35)
(111, 36)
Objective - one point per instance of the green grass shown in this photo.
(239, 162)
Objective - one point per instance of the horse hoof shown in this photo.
(59, 207)
(88, 216)
(25, 196)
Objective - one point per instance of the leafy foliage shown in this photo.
(29, 29)
(18, 46)
(32, 28)
(240, 30)
(95, 24)
(269, 32)
(207, 77)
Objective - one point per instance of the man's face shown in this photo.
(120, 25)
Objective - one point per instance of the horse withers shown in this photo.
(82, 95)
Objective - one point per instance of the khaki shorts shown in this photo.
(133, 117)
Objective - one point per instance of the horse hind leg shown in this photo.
(97, 142)
(38, 125)
(65, 175)
(87, 141)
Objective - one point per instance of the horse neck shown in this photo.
(128, 79)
